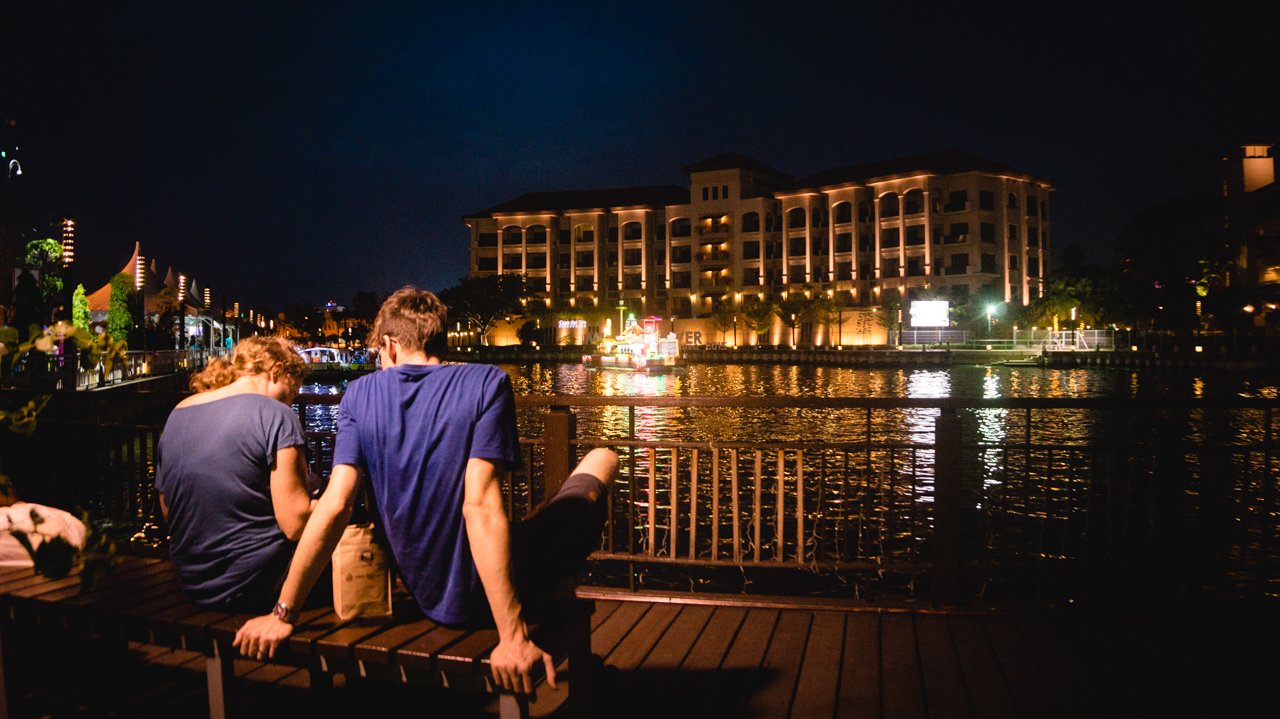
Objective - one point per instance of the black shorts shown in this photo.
(553, 542)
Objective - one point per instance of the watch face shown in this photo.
(281, 611)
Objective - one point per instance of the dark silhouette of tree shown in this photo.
(758, 315)
(480, 302)
(119, 318)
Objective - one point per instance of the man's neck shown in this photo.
(415, 358)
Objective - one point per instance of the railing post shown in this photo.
(559, 429)
(948, 554)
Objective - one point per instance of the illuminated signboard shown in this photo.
(572, 324)
(929, 313)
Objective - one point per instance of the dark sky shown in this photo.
(300, 152)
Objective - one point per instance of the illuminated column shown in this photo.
(831, 241)
(139, 273)
(875, 234)
(68, 241)
(182, 287)
(928, 235)
(808, 242)
(207, 298)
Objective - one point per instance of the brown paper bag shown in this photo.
(361, 575)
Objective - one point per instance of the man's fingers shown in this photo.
(549, 664)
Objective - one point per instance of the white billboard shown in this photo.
(929, 313)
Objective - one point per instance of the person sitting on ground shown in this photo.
(433, 441)
(38, 522)
(232, 477)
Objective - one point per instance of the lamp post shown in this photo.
(991, 310)
(622, 307)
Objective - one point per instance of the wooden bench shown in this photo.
(140, 601)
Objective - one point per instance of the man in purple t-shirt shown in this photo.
(434, 441)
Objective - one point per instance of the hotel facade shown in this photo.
(941, 225)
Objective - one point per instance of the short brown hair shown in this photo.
(253, 355)
(416, 318)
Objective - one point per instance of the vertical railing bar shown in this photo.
(800, 506)
(653, 502)
(780, 506)
(693, 505)
(913, 518)
(1268, 495)
(673, 533)
(733, 501)
(715, 504)
(756, 510)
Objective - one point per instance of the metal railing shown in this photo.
(65, 371)
(941, 499)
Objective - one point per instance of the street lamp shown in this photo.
(991, 310)
(622, 307)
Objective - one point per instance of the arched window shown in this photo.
(584, 233)
(1013, 201)
(511, 235)
(680, 227)
(844, 213)
(631, 231)
(889, 205)
(536, 235)
(913, 203)
(751, 222)
(795, 218)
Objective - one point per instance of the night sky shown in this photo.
(300, 152)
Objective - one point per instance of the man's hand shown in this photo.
(260, 636)
(513, 660)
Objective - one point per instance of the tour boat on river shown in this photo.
(638, 348)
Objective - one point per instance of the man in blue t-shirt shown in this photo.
(434, 441)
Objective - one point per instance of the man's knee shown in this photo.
(600, 463)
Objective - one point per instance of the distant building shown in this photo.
(945, 224)
(1253, 214)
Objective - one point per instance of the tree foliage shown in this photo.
(479, 302)
(44, 257)
(119, 318)
(80, 315)
(758, 316)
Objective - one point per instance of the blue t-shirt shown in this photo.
(213, 465)
(413, 428)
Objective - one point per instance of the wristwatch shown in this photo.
(283, 612)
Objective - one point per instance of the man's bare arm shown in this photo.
(260, 636)
(489, 535)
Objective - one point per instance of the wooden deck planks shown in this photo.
(903, 692)
(983, 678)
(781, 666)
(1027, 684)
(860, 667)
(740, 674)
(944, 688)
(819, 681)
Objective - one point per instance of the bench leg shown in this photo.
(513, 706)
(218, 670)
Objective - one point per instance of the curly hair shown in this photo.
(416, 318)
(252, 355)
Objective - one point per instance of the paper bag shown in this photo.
(361, 575)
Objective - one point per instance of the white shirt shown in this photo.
(17, 517)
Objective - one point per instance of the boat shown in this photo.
(322, 358)
(1024, 362)
(638, 348)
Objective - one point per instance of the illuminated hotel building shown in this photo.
(946, 224)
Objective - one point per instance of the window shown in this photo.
(889, 205)
(715, 193)
(563, 284)
(864, 270)
(937, 265)
(1033, 267)
(680, 253)
(889, 237)
(1014, 240)
(915, 267)
(796, 274)
(795, 218)
(511, 262)
(957, 201)
(958, 233)
(889, 268)
(864, 212)
(487, 239)
(797, 246)
(536, 235)
(987, 231)
(586, 259)
(915, 235)
(611, 258)
(487, 264)
(819, 217)
(751, 222)
(986, 200)
(820, 273)
(562, 260)
(613, 234)
(821, 246)
(913, 203)
(844, 213)
(680, 280)
(959, 264)
(1033, 236)
(988, 263)
(844, 242)
(706, 193)
(537, 261)
(511, 235)
(681, 227)
(631, 231)
(631, 282)
(563, 237)
(1013, 202)
(724, 191)
(587, 235)
(844, 270)
(937, 235)
(660, 255)
(864, 242)
(631, 257)
(751, 275)
(1031, 206)
(751, 250)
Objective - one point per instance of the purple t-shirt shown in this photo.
(413, 428)
(214, 463)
